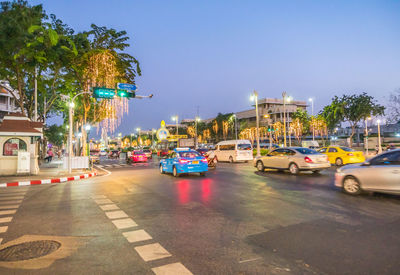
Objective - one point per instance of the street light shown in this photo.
(312, 115)
(379, 136)
(255, 98)
(285, 98)
(197, 120)
(235, 117)
(366, 134)
(175, 118)
(289, 99)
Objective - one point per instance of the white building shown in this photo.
(7, 101)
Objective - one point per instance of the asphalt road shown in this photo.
(233, 221)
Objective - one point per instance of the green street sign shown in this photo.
(125, 93)
(103, 92)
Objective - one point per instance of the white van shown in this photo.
(234, 150)
(312, 144)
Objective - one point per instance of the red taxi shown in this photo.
(138, 156)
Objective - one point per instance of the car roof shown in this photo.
(239, 141)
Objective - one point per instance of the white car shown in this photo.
(234, 150)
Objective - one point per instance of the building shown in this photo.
(270, 110)
(7, 101)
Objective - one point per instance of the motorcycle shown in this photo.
(212, 161)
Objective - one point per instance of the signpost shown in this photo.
(111, 93)
(126, 86)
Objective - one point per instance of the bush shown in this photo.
(263, 152)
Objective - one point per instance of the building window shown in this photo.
(3, 100)
(12, 146)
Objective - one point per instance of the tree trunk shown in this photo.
(353, 129)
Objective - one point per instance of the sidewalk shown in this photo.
(49, 173)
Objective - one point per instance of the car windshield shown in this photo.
(188, 154)
(244, 147)
(138, 153)
(347, 149)
(306, 151)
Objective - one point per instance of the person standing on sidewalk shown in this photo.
(50, 155)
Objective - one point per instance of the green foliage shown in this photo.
(304, 118)
(263, 152)
(55, 134)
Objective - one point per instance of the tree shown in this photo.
(394, 106)
(302, 118)
(351, 109)
(55, 134)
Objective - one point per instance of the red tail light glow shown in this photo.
(204, 160)
(183, 161)
(308, 160)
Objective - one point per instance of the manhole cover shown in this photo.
(28, 250)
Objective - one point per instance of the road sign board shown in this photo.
(127, 86)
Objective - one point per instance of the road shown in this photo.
(233, 221)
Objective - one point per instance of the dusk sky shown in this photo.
(213, 54)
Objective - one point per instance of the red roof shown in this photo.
(16, 125)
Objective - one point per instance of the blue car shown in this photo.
(184, 161)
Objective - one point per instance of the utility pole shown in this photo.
(255, 95)
(36, 106)
(312, 115)
(284, 118)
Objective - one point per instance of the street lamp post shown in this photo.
(312, 115)
(366, 134)
(284, 118)
(175, 118)
(379, 136)
(255, 97)
(289, 99)
(197, 119)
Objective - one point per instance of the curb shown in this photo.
(47, 181)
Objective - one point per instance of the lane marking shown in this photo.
(7, 212)
(10, 202)
(106, 207)
(108, 172)
(124, 223)
(172, 269)
(250, 260)
(10, 206)
(103, 201)
(99, 197)
(137, 236)
(11, 198)
(116, 214)
(3, 229)
(152, 252)
(5, 219)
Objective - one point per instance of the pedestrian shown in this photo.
(50, 154)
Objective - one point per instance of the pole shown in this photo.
(36, 106)
(366, 136)
(258, 125)
(289, 132)
(177, 130)
(70, 138)
(236, 127)
(312, 114)
(379, 138)
(284, 118)
(195, 123)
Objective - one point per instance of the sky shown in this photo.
(208, 56)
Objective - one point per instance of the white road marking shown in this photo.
(250, 260)
(10, 202)
(103, 201)
(11, 198)
(5, 219)
(7, 212)
(12, 194)
(137, 236)
(172, 269)
(116, 214)
(152, 252)
(11, 206)
(99, 197)
(3, 229)
(124, 223)
(106, 207)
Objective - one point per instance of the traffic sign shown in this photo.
(126, 86)
(124, 93)
(103, 92)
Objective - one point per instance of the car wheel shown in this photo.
(231, 159)
(293, 168)
(260, 166)
(175, 172)
(202, 174)
(338, 162)
(351, 186)
(161, 169)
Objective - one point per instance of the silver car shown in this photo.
(294, 159)
(379, 174)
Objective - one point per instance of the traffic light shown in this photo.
(125, 93)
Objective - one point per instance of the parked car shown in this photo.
(294, 159)
(266, 146)
(183, 161)
(379, 174)
(138, 156)
(340, 155)
(103, 153)
(234, 150)
(148, 153)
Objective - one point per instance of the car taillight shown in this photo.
(183, 161)
(204, 160)
(307, 159)
(350, 154)
(327, 158)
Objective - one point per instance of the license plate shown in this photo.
(195, 162)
